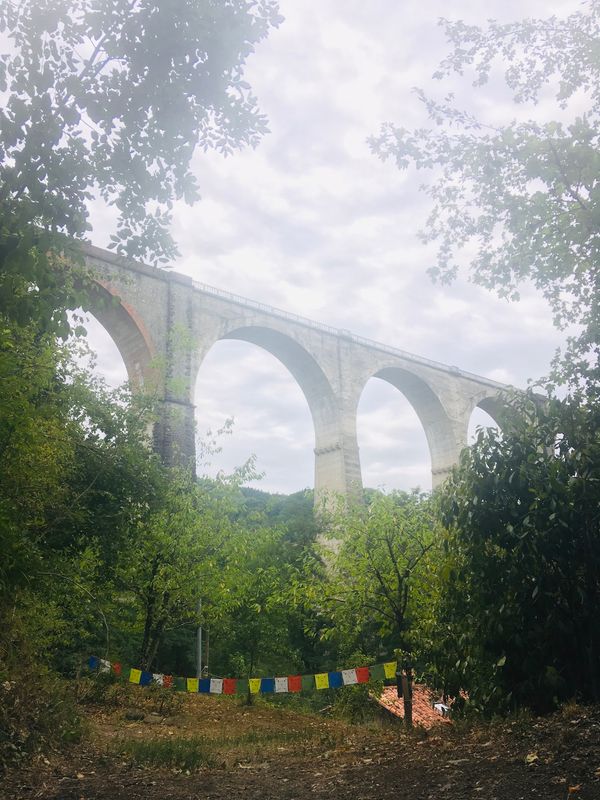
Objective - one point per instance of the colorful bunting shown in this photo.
(349, 677)
(335, 680)
(232, 686)
(145, 678)
(135, 675)
(322, 680)
(362, 674)
(390, 670)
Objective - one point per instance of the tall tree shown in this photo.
(517, 621)
(111, 98)
(380, 575)
(525, 195)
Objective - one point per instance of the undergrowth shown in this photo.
(38, 709)
(187, 754)
(193, 752)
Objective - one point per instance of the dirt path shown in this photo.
(269, 753)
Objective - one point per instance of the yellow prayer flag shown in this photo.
(192, 685)
(254, 684)
(389, 670)
(322, 680)
(135, 675)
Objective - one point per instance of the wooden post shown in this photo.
(398, 679)
(407, 694)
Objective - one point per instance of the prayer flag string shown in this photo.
(282, 684)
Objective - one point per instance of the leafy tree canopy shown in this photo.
(111, 98)
(525, 195)
(516, 623)
(380, 575)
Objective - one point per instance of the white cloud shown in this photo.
(310, 221)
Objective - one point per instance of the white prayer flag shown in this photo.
(104, 665)
(281, 685)
(216, 685)
(349, 677)
(158, 678)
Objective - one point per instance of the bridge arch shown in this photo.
(129, 333)
(299, 362)
(494, 406)
(394, 452)
(437, 425)
(313, 383)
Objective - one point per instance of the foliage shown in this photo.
(176, 554)
(380, 578)
(111, 99)
(37, 708)
(517, 620)
(38, 447)
(356, 703)
(277, 624)
(525, 195)
(270, 626)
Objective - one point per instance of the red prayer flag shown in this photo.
(229, 685)
(167, 681)
(116, 668)
(362, 674)
(294, 683)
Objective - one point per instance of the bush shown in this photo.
(37, 711)
(356, 703)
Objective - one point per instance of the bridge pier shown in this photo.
(174, 432)
(337, 464)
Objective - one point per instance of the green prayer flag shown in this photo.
(377, 672)
(179, 684)
(308, 683)
(242, 686)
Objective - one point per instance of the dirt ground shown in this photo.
(267, 752)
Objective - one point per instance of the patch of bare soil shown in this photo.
(266, 752)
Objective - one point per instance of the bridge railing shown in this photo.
(341, 333)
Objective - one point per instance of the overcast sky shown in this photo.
(313, 223)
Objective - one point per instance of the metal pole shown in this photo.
(199, 643)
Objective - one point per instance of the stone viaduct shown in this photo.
(164, 324)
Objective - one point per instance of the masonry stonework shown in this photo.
(164, 324)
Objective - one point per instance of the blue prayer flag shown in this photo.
(336, 680)
(93, 662)
(204, 685)
(267, 685)
(145, 678)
